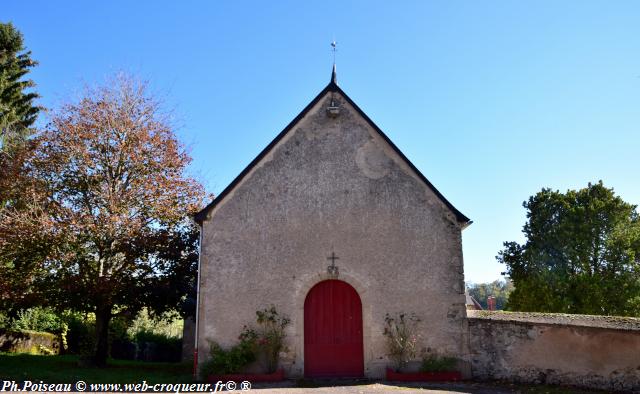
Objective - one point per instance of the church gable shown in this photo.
(332, 185)
(319, 145)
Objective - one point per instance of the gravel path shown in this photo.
(410, 388)
(377, 388)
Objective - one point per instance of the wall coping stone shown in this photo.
(594, 321)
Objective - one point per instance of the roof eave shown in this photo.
(201, 216)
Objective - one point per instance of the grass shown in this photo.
(65, 369)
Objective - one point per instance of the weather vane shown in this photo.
(333, 110)
(333, 46)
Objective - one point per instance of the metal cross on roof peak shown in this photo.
(334, 78)
(334, 44)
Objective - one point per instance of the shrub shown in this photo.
(121, 345)
(38, 319)
(400, 332)
(249, 336)
(5, 322)
(167, 324)
(80, 336)
(152, 346)
(434, 363)
(266, 340)
(271, 335)
(45, 350)
(232, 360)
(119, 328)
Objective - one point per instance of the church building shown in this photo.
(334, 226)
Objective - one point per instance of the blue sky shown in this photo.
(490, 100)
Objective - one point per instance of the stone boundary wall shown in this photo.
(28, 342)
(588, 351)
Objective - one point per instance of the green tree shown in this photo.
(500, 289)
(108, 229)
(581, 255)
(17, 109)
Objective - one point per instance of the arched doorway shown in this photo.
(333, 331)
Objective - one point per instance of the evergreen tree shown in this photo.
(17, 115)
(17, 109)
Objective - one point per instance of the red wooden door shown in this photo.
(333, 331)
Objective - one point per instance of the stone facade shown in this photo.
(589, 351)
(333, 183)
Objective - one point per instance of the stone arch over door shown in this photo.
(333, 331)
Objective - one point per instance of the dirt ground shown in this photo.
(408, 388)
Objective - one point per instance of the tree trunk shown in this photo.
(101, 350)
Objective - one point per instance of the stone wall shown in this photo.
(589, 351)
(29, 342)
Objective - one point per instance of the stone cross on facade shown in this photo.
(332, 270)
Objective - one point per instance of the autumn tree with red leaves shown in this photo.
(106, 228)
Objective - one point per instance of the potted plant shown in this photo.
(433, 369)
(440, 367)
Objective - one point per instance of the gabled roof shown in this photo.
(471, 302)
(331, 87)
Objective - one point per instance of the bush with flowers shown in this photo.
(271, 334)
(266, 341)
(402, 338)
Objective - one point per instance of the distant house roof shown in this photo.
(331, 87)
(471, 302)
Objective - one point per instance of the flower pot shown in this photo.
(442, 376)
(277, 376)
